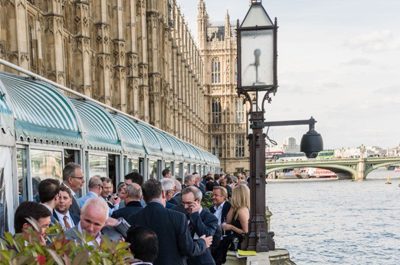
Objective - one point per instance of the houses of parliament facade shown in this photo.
(137, 56)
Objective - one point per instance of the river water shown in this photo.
(339, 222)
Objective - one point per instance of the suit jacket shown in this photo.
(131, 208)
(174, 239)
(203, 223)
(74, 218)
(225, 210)
(202, 187)
(177, 199)
(77, 236)
(74, 209)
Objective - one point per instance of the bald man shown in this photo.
(132, 202)
(94, 215)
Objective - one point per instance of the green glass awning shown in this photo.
(41, 112)
(167, 147)
(176, 145)
(150, 139)
(130, 135)
(99, 129)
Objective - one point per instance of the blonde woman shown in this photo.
(237, 222)
(238, 216)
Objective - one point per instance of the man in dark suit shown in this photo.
(177, 197)
(198, 183)
(62, 213)
(168, 187)
(175, 241)
(201, 221)
(48, 194)
(220, 210)
(73, 179)
(132, 202)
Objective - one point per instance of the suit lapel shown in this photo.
(55, 216)
(75, 207)
(225, 210)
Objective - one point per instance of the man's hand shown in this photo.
(112, 221)
(195, 207)
(207, 239)
(115, 200)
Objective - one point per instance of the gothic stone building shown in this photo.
(137, 56)
(228, 125)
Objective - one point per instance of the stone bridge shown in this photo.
(356, 168)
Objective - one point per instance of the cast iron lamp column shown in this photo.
(257, 79)
(257, 237)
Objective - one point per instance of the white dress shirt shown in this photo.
(218, 212)
(60, 217)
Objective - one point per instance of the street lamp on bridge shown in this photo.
(257, 80)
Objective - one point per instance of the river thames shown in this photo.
(339, 222)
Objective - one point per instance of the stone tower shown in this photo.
(228, 126)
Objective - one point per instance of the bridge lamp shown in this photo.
(257, 79)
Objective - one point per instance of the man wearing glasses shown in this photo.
(73, 179)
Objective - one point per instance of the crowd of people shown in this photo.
(164, 220)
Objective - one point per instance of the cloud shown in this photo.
(357, 62)
(292, 88)
(387, 90)
(330, 85)
(377, 41)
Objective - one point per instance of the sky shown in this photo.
(338, 61)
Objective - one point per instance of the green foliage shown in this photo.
(206, 202)
(17, 250)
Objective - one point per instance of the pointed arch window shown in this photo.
(239, 147)
(216, 111)
(239, 111)
(216, 145)
(215, 71)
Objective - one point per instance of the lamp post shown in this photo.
(257, 80)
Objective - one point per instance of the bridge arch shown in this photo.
(372, 167)
(335, 168)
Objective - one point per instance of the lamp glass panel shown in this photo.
(257, 58)
(256, 17)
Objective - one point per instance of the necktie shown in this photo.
(66, 223)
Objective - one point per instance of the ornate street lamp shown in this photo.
(257, 80)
